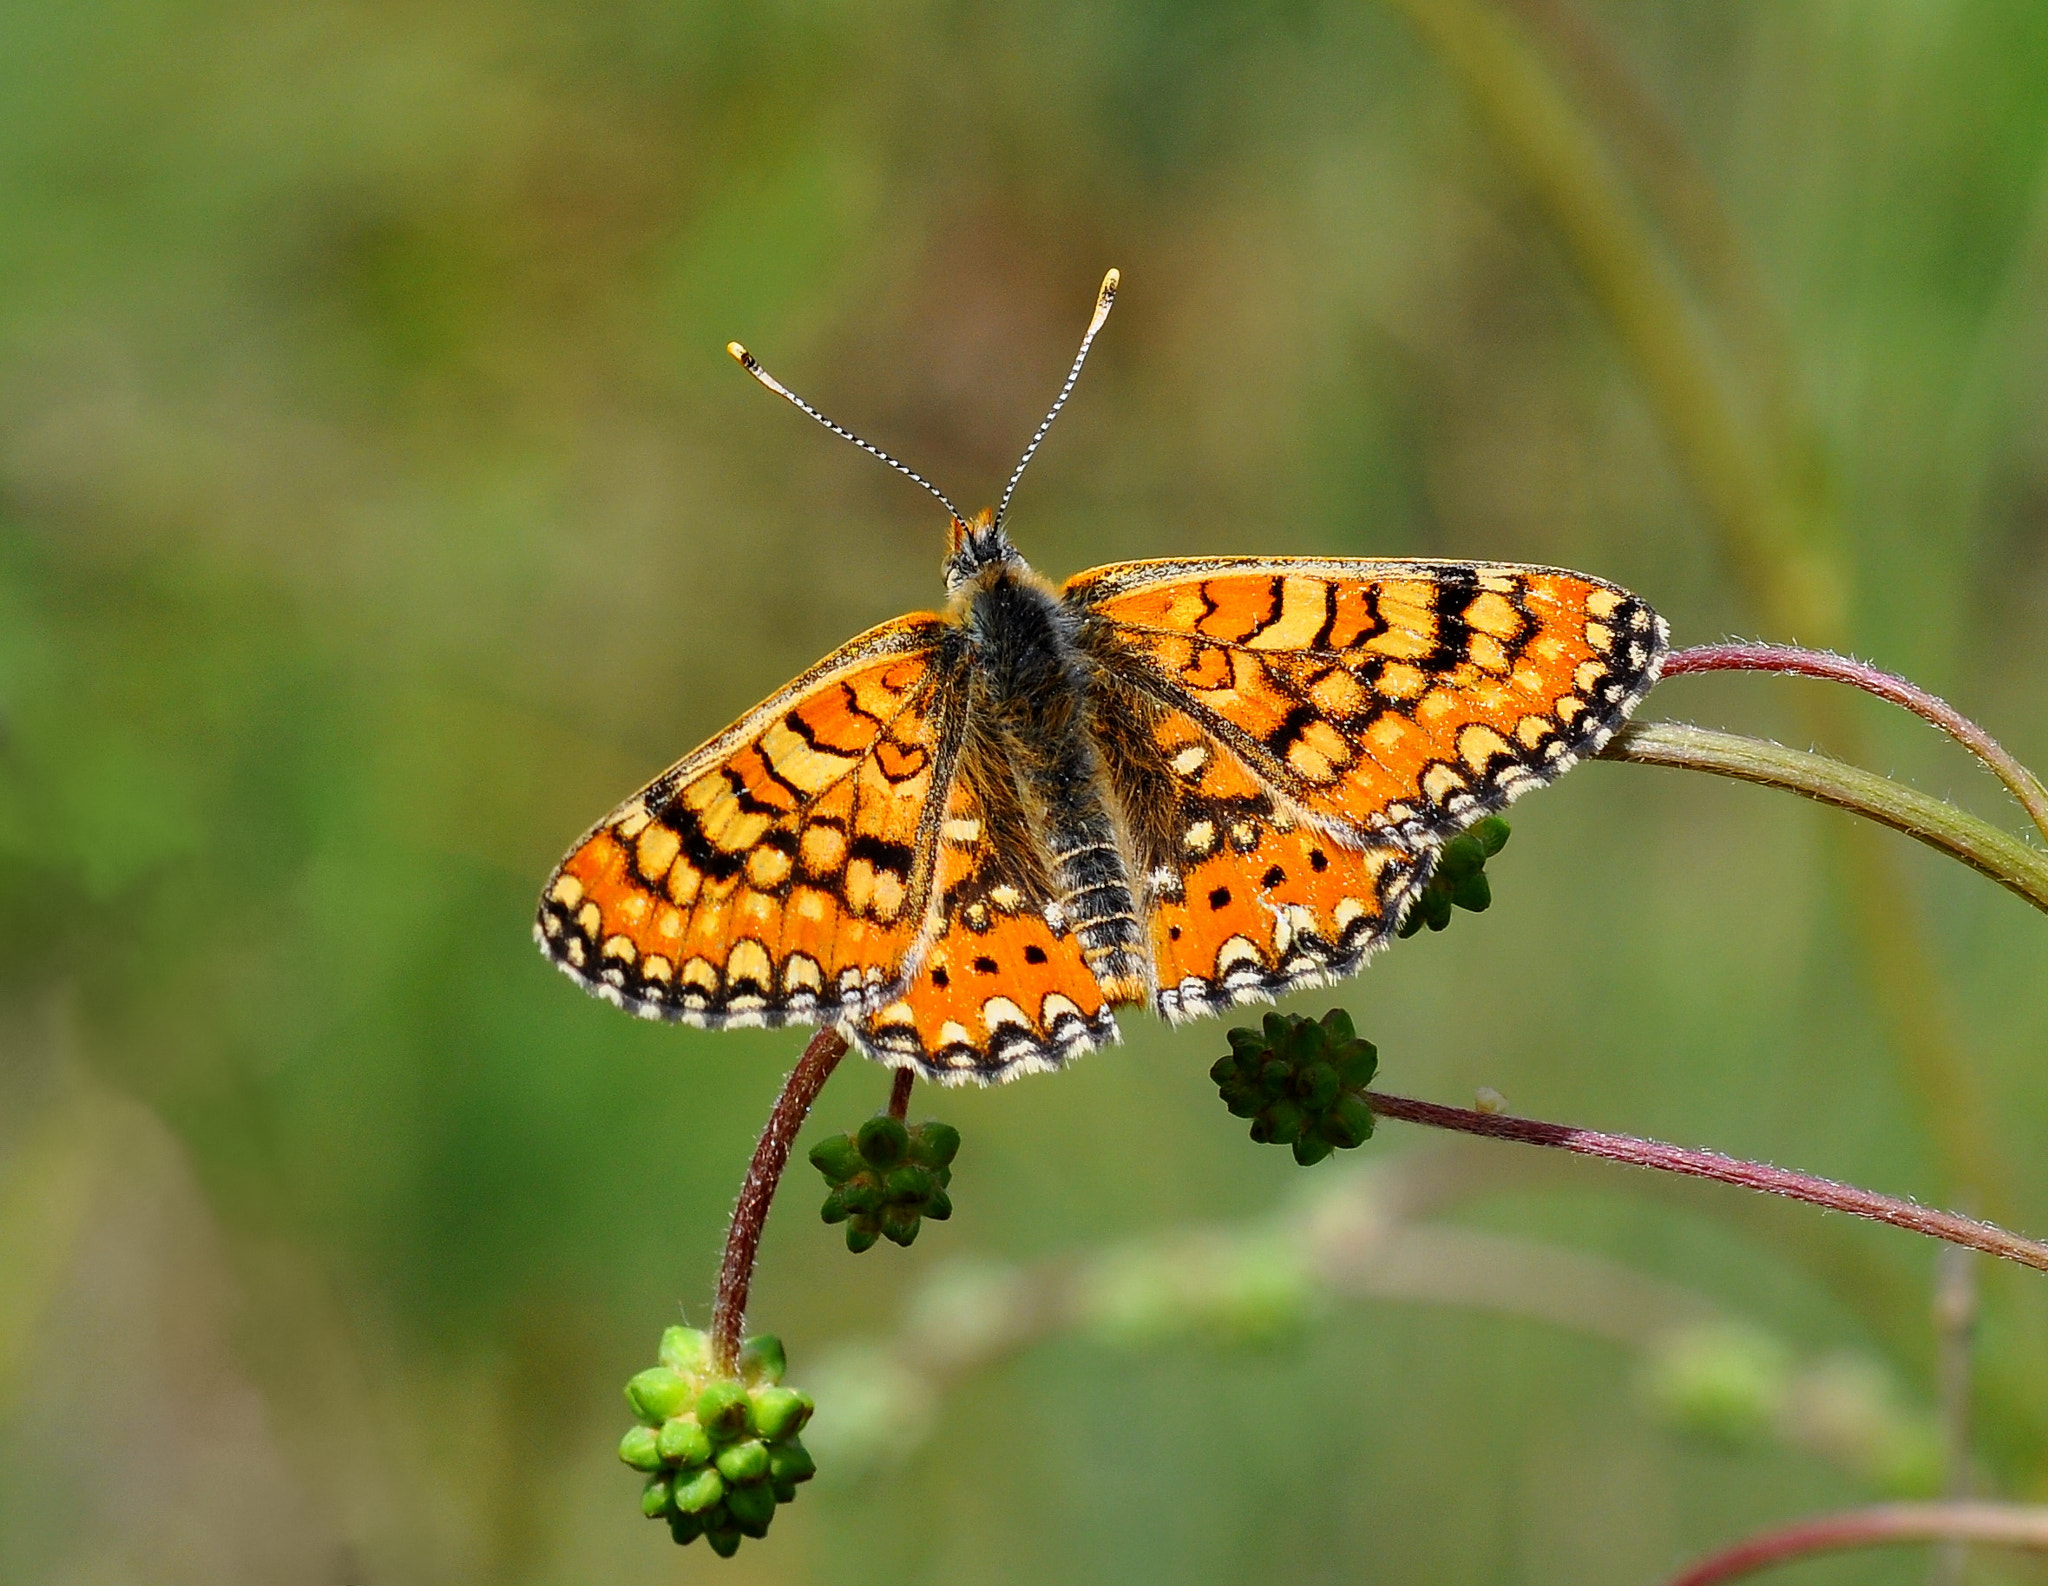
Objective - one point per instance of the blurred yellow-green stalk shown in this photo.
(378, 507)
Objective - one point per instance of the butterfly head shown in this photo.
(975, 547)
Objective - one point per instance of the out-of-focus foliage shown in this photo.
(378, 507)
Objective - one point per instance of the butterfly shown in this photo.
(965, 839)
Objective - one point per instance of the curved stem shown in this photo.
(2004, 858)
(899, 1093)
(2001, 1524)
(1723, 1169)
(750, 1214)
(1795, 662)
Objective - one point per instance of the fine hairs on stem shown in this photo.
(750, 1213)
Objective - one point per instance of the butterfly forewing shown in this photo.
(784, 870)
(1403, 700)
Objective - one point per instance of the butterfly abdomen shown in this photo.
(1031, 698)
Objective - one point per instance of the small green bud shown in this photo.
(862, 1233)
(685, 1528)
(1358, 1062)
(1283, 1121)
(656, 1498)
(1311, 1149)
(908, 1183)
(683, 1349)
(639, 1448)
(861, 1195)
(657, 1393)
(1320, 1083)
(934, 1144)
(1225, 1068)
(1474, 893)
(939, 1207)
(694, 1494)
(883, 1140)
(752, 1507)
(791, 1462)
(744, 1462)
(785, 1491)
(777, 1412)
(723, 1542)
(1274, 1075)
(837, 1157)
(682, 1442)
(722, 1409)
(835, 1209)
(1350, 1123)
(900, 1223)
(762, 1360)
(1491, 835)
(1337, 1029)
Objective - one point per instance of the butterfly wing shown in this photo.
(1403, 699)
(782, 872)
(1294, 739)
(1003, 989)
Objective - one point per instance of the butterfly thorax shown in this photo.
(1031, 748)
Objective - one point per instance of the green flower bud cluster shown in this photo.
(1460, 877)
(719, 1452)
(1301, 1083)
(886, 1178)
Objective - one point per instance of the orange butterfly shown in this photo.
(966, 839)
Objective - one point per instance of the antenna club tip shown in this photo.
(740, 355)
(1111, 282)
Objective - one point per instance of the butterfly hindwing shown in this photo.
(1403, 699)
(1247, 897)
(782, 872)
(1002, 989)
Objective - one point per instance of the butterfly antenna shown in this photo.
(748, 362)
(1103, 301)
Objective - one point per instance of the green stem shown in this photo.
(2004, 858)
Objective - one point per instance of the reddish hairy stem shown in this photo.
(2002, 1524)
(899, 1093)
(1723, 1169)
(1793, 662)
(750, 1214)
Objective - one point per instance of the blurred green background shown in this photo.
(378, 507)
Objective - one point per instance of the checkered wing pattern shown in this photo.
(784, 872)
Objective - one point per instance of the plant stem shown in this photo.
(899, 1093)
(750, 1214)
(1795, 662)
(2001, 1524)
(2004, 858)
(1723, 1169)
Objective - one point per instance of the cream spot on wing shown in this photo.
(698, 972)
(888, 895)
(629, 821)
(684, 882)
(1487, 654)
(656, 850)
(1588, 676)
(1599, 636)
(1056, 1007)
(963, 829)
(1237, 950)
(796, 761)
(1569, 708)
(954, 1034)
(1478, 744)
(657, 968)
(1401, 682)
(1337, 692)
(768, 867)
(1602, 602)
(1300, 619)
(998, 1011)
(749, 961)
(1199, 838)
(1347, 912)
(634, 907)
(1531, 731)
(1491, 614)
(1190, 760)
(800, 973)
(1006, 898)
(621, 948)
(812, 904)
(1439, 782)
(822, 848)
(588, 920)
(567, 891)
